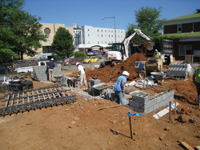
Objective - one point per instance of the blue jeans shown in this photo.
(120, 97)
(198, 91)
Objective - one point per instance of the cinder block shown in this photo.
(134, 103)
(141, 98)
(143, 105)
(152, 101)
(150, 109)
(156, 106)
(140, 110)
(132, 108)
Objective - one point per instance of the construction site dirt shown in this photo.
(101, 124)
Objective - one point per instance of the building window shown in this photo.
(185, 50)
(88, 34)
(47, 31)
(88, 29)
(105, 30)
(105, 42)
(97, 35)
(88, 42)
(101, 42)
(111, 35)
(105, 35)
(98, 30)
(101, 30)
(102, 35)
(108, 35)
(179, 28)
(98, 42)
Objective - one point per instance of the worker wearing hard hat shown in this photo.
(82, 75)
(120, 87)
(156, 54)
(196, 80)
(50, 67)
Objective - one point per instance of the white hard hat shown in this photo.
(156, 50)
(125, 73)
(51, 58)
(77, 63)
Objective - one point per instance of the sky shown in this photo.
(90, 12)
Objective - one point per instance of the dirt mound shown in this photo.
(109, 73)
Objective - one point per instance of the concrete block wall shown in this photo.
(177, 70)
(144, 104)
(39, 72)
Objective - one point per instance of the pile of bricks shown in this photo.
(177, 70)
(144, 104)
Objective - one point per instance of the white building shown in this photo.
(96, 35)
(77, 34)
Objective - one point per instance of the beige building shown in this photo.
(50, 30)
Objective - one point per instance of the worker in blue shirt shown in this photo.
(120, 87)
(50, 66)
(196, 80)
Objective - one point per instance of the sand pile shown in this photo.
(109, 73)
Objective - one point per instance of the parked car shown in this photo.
(73, 61)
(100, 52)
(98, 56)
(89, 53)
(91, 59)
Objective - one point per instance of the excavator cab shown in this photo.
(118, 47)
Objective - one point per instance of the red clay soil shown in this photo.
(109, 73)
(89, 124)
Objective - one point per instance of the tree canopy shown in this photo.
(62, 44)
(148, 21)
(19, 31)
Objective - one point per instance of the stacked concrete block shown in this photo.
(57, 70)
(178, 70)
(39, 72)
(63, 81)
(144, 104)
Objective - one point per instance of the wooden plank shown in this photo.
(186, 145)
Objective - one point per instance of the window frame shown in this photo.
(185, 49)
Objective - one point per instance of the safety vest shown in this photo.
(157, 55)
(197, 75)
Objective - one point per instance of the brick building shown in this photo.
(188, 29)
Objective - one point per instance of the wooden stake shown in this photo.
(170, 112)
(131, 128)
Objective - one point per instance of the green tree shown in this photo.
(62, 44)
(130, 31)
(80, 54)
(149, 21)
(20, 32)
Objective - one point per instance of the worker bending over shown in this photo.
(120, 87)
(156, 54)
(196, 80)
(82, 75)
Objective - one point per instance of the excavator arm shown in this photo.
(127, 40)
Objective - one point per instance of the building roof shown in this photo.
(190, 16)
(188, 34)
(194, 17)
